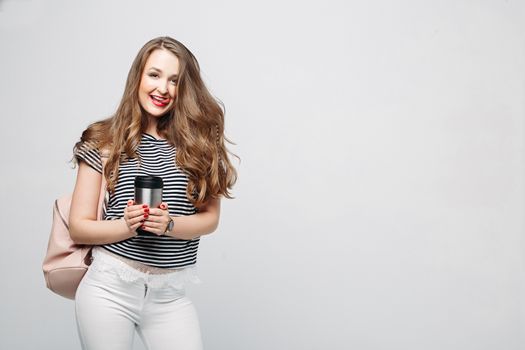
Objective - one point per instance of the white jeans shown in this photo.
(109, 308)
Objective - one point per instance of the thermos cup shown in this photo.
(148, 190)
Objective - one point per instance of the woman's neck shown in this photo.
(152, 129)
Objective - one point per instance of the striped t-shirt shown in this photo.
(157, 159)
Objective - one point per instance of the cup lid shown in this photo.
(148, 181)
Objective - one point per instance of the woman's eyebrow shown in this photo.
(160, 71)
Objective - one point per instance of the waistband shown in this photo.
(131, 271)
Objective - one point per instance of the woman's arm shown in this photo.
(202, 223)
(84, 228)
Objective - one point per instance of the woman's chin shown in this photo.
(156, 112)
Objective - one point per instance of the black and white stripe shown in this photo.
(158, 159)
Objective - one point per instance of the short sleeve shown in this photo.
(89, 155)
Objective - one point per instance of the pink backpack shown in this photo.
(66, 262)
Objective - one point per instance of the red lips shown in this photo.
(159, 101)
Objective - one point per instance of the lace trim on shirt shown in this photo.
(103, 262)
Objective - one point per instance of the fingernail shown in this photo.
(144, 205)
(146, 210)
(146, 215)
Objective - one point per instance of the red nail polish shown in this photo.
(146, 210)
(144, 205)
(146, 216)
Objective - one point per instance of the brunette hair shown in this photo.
(195, 126)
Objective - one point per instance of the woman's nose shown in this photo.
(163, 87)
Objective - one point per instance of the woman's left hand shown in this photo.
(157, 220)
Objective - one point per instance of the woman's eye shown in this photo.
(174, 82)
(154, 75)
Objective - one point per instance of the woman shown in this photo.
(167, 125)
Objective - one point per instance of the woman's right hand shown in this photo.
(134, 215)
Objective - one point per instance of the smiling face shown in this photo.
(158, 84)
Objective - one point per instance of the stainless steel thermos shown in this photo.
(148, 190)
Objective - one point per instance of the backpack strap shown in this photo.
(103, 197)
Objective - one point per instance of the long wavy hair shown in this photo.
(194, 125)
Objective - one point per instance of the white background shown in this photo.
(381, 191)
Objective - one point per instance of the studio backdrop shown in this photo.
(380, 199)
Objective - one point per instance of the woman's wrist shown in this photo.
(130, 232)
(169, 226)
